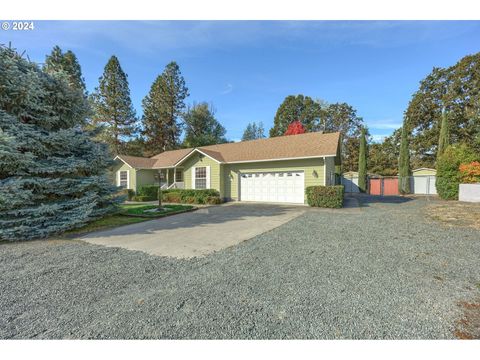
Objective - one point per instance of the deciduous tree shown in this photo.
(301, 108)
(295, 128)
(455, 91)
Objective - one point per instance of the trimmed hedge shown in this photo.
(127, 193)
(148, 192)
(325, 196)
(191, 196)
(142, 198)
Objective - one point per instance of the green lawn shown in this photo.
(139, 209)
(128, 214)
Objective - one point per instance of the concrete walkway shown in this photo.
(200, 232)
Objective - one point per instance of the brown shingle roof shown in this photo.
(138, 162)
(283, 147)
(170, 158)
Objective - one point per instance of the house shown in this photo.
(272, 170)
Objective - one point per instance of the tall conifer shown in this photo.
(53, 176)
(113, 109)
(362, 162)
(162, 109)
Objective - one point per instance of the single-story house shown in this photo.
(275, 169)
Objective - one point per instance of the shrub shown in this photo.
(149, 191)
(129, 193)
(325, 196)
(191, 196)
(142, 198)
(448, 173)
(470, 173)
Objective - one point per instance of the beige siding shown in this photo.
(197, 160)
(131, 174)
(424, 172)
(146, 177)
(330, 171)
(313, 168)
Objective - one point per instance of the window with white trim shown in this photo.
(179, 175)
(200, 178)
(123, 179)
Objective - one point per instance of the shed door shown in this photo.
(283, 187)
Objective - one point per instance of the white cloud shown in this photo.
(384, 124)
(228, 89)
(378, 138)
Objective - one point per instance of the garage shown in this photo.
(422, 181)
(279, 187)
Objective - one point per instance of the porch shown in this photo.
(171, 178)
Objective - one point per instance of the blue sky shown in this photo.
(247, 68)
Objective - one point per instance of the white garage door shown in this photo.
(288, 187)
(423, 185)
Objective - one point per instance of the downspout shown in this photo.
(324, 171)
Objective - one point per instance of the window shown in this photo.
(123, 179)
(179, 175)
(200, 178)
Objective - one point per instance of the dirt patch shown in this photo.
(469, 326)
(455, 214)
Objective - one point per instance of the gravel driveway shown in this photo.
(380, 271)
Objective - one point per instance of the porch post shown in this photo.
(174, 175)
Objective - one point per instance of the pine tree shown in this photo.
(253, 131)
(444, 139)
(201, 127)
(404, 162)
(113, 109)
(362, 161)
(53, 176)
(67, 62)
(162, 108)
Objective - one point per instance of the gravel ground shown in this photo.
(379, 271)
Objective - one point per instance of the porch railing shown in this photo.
(177, 185)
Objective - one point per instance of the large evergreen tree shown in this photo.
(404, 161)
(253, 131)
(162, 109)
(444, 140)
(362, 161)
(67, 62)
(53, 176)
(293, 108)
(113, 109)
(201, 127)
